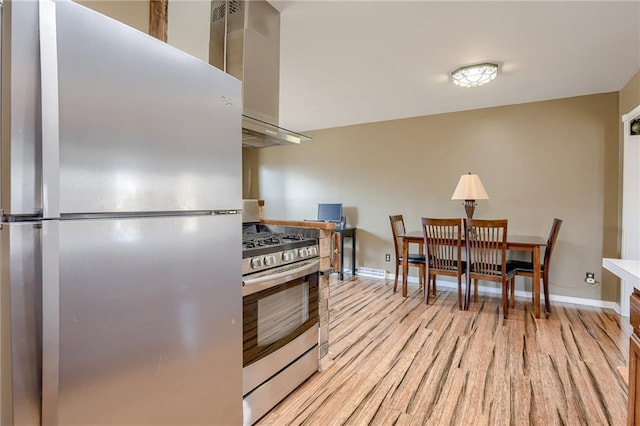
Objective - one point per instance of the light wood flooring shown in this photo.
(396, 361)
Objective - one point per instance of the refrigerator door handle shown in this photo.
(219, 212)
(50, 209)
(50, 252)
(50, 110)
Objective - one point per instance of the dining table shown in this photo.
(521, 243)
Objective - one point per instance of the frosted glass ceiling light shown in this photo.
(474, 75)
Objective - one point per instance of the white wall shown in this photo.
(630, 204)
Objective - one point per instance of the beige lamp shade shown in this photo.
(470, 188)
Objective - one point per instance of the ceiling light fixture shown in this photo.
(474, 75)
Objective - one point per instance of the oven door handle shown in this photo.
(254, 285)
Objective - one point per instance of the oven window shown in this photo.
(275, 316)
(282, 313)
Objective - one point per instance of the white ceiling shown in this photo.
(350, 62)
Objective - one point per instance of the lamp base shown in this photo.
(469, 207)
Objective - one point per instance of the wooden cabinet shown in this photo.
(634, 380)
(634, 361)
(634, 312)
(629, 271)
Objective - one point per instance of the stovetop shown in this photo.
(267, 247)
(255, 244)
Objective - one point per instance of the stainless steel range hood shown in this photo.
(245, 42)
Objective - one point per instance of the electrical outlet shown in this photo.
(590, 278)
(387, 257)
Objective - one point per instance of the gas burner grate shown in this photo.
(261, 240)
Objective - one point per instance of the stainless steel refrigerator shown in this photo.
(120, 234)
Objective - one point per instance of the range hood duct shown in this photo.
(245, 42)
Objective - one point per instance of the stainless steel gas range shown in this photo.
(280, 313)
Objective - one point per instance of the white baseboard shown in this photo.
(372, 273)
(519, 293)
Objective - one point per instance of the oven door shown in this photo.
(278, 307)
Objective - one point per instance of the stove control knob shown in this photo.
(313, 251)
(269, 260)
(256, 262)
(303, 252)
(287, 256)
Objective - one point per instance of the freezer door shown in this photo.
(150, 321)
(143, 126)
(20, 322)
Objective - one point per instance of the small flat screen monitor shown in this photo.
(330, 212)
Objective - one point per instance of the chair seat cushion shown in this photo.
(522, 266)
(510, 269)
(415, 258)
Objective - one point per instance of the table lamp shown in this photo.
(469, 189)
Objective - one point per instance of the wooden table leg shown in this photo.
(353, 253)
(341, 256)
(405, 265)
(536, 281)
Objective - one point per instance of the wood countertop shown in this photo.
(300, 223)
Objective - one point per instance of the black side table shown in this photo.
(347, 232)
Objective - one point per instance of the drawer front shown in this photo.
(635, 312)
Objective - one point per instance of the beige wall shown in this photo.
(537, 161)
(630, 95)
(134, 13)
